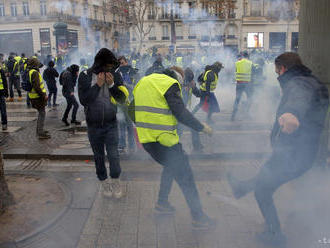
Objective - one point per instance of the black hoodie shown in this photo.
(99, 109)
(304, 96)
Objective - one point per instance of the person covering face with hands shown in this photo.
(100, 88)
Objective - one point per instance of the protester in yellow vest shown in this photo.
(156, 109)
(243, 78)
(207, 88)
(3, 96)
(38, 95)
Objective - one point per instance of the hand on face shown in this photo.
(104, 77)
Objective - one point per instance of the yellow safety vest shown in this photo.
(33, 94)
(153, 118)
(134, 63)
(1, 83)
(18, 70)
(83, 67)
(213, 85)
(179, 61)
(243, 70)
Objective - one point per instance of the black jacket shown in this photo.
(307, 98)
(4, 92)
(50, 75)
(99, 110)
(68, 80)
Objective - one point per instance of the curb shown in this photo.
(142, 156)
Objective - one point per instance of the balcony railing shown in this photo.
(152, 38)
(192, 37)
(165, 38)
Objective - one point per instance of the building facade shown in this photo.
(28, 26)
(204, 24)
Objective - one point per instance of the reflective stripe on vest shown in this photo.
(1, 83)
(17, 73)
(179, 61)
(243, 70)
(154, 119)
(33, 94)
(213, 85)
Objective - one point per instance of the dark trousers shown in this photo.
(3, 110)
(71, 101)
(14, 81)
(126, 130)
(175, 167)
(100, 138)
(240, 88)
(52, 93)
(284, 165)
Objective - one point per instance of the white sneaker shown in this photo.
(116, 188)
(106, 188)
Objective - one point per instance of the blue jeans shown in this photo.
(126, 130)
(3, 110)
(105, 137)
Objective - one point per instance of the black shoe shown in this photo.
(4, 127)
(44, 135)
(164, 208)
(66, 122)
(204, 223)
(236, 187)
(276, 239)
(76, 122)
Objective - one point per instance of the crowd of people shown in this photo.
(130, 100)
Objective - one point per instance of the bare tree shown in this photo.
(143, 14)
(6, 198)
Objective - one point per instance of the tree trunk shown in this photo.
(6, 198)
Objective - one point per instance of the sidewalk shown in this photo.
(239, 139)
(93, 221)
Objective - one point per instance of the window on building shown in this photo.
(165, 32)
(165, 14)
(277, 41)
(152, 34)
(26, 10)
(74, 6)
(191, 8)
(179, 32)
(13, 9)
(114, 17)
(95, 12)
(43, 7)
(256, 7)
(2, 9)
(178, 10)
(192, 32)
(45, 41)
(151, 11)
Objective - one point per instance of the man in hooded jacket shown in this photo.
(99, 88)
(295, 140)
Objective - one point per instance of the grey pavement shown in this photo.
(94, 221)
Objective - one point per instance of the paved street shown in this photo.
(89, 220)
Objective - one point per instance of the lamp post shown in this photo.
(173, 35)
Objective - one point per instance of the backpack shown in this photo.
(26, 84)
(61, 78)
